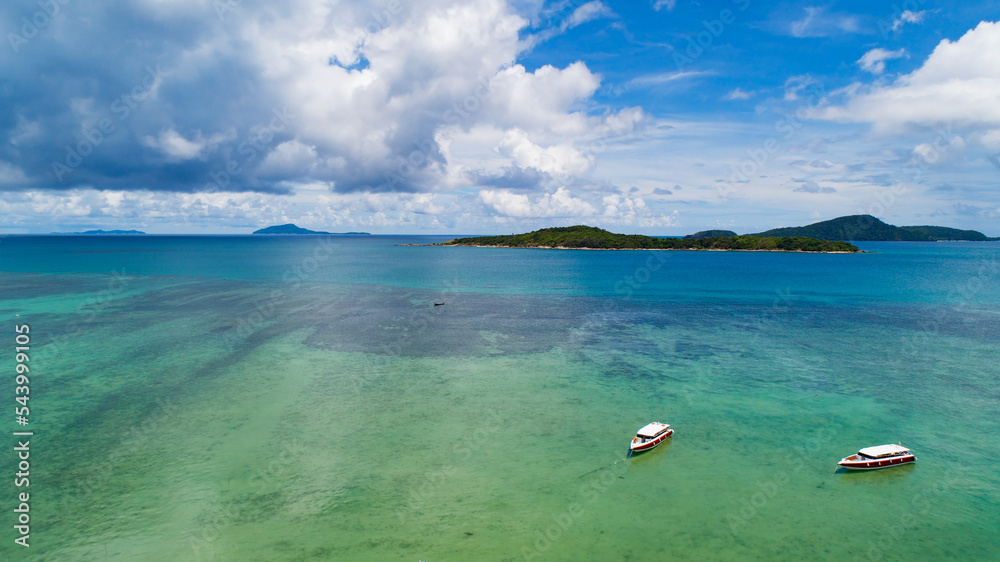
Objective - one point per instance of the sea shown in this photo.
(307, 398)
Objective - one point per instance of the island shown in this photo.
(101, 232)
(590, 238)
(866, 228)
(712, 234)
(292, 229)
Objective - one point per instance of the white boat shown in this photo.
(650, 436)
(874, 458)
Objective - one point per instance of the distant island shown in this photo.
(99, 232)
(292, 229)
(866, 228)
(591, 238)
(711, 234)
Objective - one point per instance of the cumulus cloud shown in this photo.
(558, 204)
(358, 96)
(874, 60)
(623, 209)
(312, 206)
(597, 207)
(664, 5)
(542, 101)
(958, 84)
(560, 160)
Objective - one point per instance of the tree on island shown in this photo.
(589, 237)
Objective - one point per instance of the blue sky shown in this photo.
(492, 116)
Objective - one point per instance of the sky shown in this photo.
(660, 117)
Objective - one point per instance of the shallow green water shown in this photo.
(234, 415)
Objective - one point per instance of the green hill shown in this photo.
(868, 228)
(588, 237)
(946, 233)
(711, 234)
(292, 229)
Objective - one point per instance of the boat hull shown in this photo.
(642, 447)
(854, 463)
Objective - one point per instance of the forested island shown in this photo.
(591, 238)
(292, 229)
(866, 228)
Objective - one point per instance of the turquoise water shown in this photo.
(245, 398)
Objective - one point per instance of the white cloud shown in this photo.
(660, 78)
(820, 23)
(26, 131)
(11, 174)
(874, 60)
(795, 84)
(908, 16)
(810, 186)
(560, 160)
(738, 94)
(582, 14)
(940, 152)
(586, 12)
(178, 148)
(542, 101)
(623, 209)
(958, 84)
(289, 158)
(990, 139)
(558, 204)
(664, 5)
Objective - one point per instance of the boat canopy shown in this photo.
(653, 429)
(883, 451)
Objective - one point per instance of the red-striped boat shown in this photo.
(874, 458)
(650, 436)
